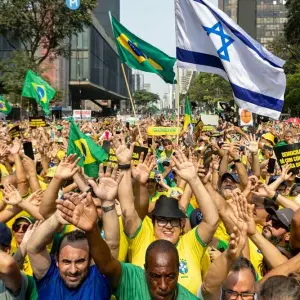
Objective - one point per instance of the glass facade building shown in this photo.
(270, 17)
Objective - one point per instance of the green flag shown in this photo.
(4, 106)
(140, 55)
(36, 87)
(91, 154)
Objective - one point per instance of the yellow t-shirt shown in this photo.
(3, 171)
(221, 233)
(190, 249)
(256, 256)
(123, 248)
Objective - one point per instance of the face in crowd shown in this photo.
(168, 145)
(19, 229)
(161, 270)
(275, 230)
(227, 186)
(73, 259)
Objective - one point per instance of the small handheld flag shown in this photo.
(4, 106)
(37, 88)
(188, 115)
(140, 55)
(210, 41)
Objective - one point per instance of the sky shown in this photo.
(154, 22)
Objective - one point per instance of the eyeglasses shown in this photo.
(17, 227)
(233, 295)
(162, 222)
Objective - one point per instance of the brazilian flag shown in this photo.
(188, 115)
(91, 154)
(140, 55)
(4, 106)
(37, 88)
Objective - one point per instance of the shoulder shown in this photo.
(184, 294)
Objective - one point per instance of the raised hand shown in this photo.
(184, 167)
(28, 164)
(79, 211)
(11, 195)
(124, 155)
(263, 190)
(67, 167)
(16, 147)
(35, 198)
(29, 232)
(142, 171)
(285, 175)
(236, 244)
(253, 146)
(107, 189)
(201, 174)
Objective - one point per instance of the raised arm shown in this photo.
(187, 171)
(30, 167)
(253, 148)
(65, 170)
(83, 215)
(131, 219)
(107, 191)
(140, 174)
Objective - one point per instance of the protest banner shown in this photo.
(289, 154)
(246, 117)
(83, 114)
(112, 156)
(14, 132)
(208, 128)
(37, 122)
(163, 131)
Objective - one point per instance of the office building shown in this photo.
(147, 87)
(137, 82)
(270, 16)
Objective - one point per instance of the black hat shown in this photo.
(167, 207)
(285, 215)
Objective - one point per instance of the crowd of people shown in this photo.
(201, 216)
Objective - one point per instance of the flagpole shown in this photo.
(131, 100)
(21, 114)
(178, 101)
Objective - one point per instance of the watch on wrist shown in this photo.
(106, 209)
(238, 160)
(124, 167)
(275, 196)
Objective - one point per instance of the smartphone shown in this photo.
(271, 165)
(127, 125)
(149, 142)
(28, 150)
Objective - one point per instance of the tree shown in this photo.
(144, 98)
(292, 29)
(209, 88)
(41, 27)
(292, 95)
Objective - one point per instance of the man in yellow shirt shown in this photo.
(167, 219)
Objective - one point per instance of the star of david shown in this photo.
(225, 39)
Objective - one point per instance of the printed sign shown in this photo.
(246, 117)
(14, 132)
(73, 4)
(82, 114)
(37, 122)
(289, 154)
(112, 156)
(163, 130)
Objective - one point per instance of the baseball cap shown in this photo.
(234, 177)
(285, 215)
(5, 235)
(28, 219)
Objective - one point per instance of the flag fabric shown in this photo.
(208, 40)
(188, 116)
(4, 106)
(140, 55)
(91, 154)
(173, 116)
(37, 88)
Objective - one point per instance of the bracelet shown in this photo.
(108, 208)
(275, 196)
(124, 167)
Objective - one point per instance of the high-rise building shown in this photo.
(101, 13)
(270, 17)
(185, 80)
(147, 87)
(137, 82)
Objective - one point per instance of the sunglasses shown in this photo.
(17, 227)
(162, 222)
(275, 222)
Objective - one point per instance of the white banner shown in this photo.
(82, 114)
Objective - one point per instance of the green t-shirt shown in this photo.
(133, 285)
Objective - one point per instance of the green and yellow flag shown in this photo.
(4, 106)
(187, 114)
(140, 55)
(37, 88)
(91, 154)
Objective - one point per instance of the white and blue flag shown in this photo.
(210, 41)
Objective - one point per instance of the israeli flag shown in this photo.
(209, 41)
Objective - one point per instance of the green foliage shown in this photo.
(292, 95)
(41, 27)
(292, 28)
(209, 88)
(143, 98)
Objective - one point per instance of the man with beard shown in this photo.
(277, 228)
(70, 275)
